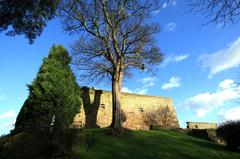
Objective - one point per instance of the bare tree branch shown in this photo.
(221, 12)
(119, 40)
(120, 36)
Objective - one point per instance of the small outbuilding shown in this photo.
(201, 125)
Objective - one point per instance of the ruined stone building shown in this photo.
(201, 125)
(138, 111)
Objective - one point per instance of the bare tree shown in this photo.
(114, 39)
(218, 11)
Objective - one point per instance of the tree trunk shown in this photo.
(116, 105)
(117, 78)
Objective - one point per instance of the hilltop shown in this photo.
(95, 144)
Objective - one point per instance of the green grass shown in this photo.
(95, 144)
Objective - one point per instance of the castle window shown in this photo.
(102, 106)
(140, 109)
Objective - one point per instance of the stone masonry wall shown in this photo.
(139, 111)
(201, 125)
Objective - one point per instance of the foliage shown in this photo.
(54, 95)
(229, 131)
(23, 145)
(61, 143)
(37, 145)
(27, 17)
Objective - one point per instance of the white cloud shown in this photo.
(172, 58)
(201, 112)
(156, 11)
(204, 103)
(169, 3)
(8, 114)
(228, 83)
(165, 4)
(222, 59)
(125, 89)
(171, 27)
(146, 83)
(173, 82)
(181, 57)
(148, 79)
(173, 2)
(141, 90)
(8, 124)
(230, 114)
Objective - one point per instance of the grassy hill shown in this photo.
(95, 144)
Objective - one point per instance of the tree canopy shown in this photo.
(54, 95)
(115, 37)
(27, 17)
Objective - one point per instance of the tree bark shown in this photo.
(116, 105)
(116, 99)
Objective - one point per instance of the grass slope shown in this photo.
(95, 144)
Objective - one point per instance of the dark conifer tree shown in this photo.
(27, 17)
(54, 95)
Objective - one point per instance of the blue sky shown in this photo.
(200, 71)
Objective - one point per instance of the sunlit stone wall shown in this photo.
(201, 125)
(139, 111)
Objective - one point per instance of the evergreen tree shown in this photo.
(27, 17)
(54, 95)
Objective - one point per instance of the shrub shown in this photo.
(229, 131)
(35, 144)
(160, 119)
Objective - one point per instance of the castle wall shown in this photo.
(139, 111)
(201, 125)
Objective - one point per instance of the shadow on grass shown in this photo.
(153, 145)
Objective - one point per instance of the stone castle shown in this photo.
(139, 112)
